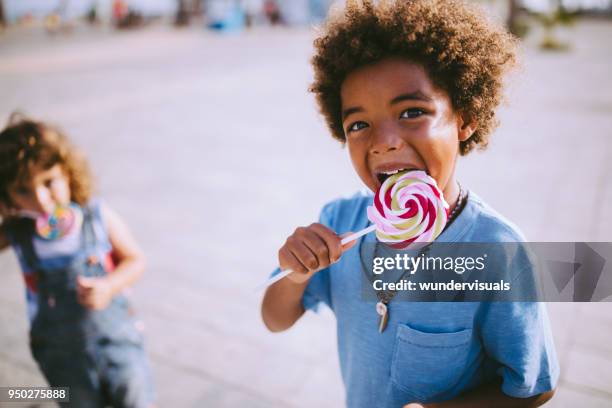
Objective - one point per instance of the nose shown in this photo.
(43, 201)
(386, 139)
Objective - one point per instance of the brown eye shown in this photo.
(412, 113)
(357, 126)
(22, 191)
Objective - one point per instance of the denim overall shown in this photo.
(98, 354)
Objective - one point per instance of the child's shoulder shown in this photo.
(347, 213)
(488, 225)
(482, 223)
(508, 253)
(96, 206)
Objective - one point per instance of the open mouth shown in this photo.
(384, 175)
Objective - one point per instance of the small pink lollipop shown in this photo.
(59, 223)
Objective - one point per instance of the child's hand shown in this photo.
(94, 293)
(310, 249)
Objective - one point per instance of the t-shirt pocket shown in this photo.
(427, 365)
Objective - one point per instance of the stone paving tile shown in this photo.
(229, 360)
(187, 388)
(572, 397)
(604, 217)
(590, 370)
(221, 313)
(591, 329)
(22, 405)
(562, 319)
(323, 376)
(16, 373)
(14, 347)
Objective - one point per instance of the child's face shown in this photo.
(394, 118)
(45, 190)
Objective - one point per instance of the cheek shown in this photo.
(61, 191)
(438, 130)
(437, 144)
(358, 154)
(359, 158)
(353, 151)
(431, 138)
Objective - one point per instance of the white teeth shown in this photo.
(390, 173)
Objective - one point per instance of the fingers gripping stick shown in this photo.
(344, 241)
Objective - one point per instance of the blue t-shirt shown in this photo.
(432, 351)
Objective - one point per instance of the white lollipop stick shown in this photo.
(344, 241)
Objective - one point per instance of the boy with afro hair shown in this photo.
(413, 85)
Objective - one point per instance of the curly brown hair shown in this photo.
(464, 54)
(25, 143)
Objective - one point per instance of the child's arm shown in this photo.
(96, 293)
(307, 251)
(282, 304)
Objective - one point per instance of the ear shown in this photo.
(466, 127)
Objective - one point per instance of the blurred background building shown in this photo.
(292, 12)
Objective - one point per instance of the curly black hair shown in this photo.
(464, 54)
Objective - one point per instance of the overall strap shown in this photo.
(89, 238)
(20, 232)
(90, 242)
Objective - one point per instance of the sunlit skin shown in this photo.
(395, 118)
(48, 188)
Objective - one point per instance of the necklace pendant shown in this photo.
(383, 312)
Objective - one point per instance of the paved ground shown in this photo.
(213, 151)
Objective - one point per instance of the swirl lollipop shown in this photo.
(59, 223)
(409, 207)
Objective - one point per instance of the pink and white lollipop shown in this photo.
(408, 208)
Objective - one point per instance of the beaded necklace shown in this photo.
(385, 297)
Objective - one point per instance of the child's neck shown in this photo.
(451, 193)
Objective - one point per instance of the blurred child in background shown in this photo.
(77, 257)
